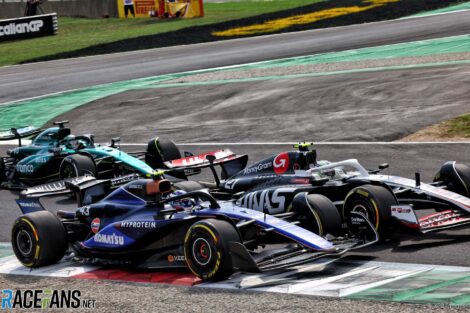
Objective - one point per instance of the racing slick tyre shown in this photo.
(160, 150)
(77, 165)
(206, 248)
(374, 202)
(188, 186)
(317, 213)
(456, 177)
(39, 239)
(2, 169)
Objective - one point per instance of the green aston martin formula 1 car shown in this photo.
(56, 154)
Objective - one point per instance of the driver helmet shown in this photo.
(69, 141)
(181, 204)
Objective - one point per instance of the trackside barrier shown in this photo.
(28, 27)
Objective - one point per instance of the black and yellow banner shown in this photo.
(163, 8)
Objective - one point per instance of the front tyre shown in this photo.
(317, 213)
(374, 202)
(206, 248)
(456, 177)
(160, 150)
(77, 165)
(38, 239)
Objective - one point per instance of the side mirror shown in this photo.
(17, 135)
(383, 166)
(211, 158)
(114, 141)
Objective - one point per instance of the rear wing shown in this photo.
(17, 133)
(230, 162)
(87, 189)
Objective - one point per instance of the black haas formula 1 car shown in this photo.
(140, 224)
(324, 192)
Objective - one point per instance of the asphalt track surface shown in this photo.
(31, 80)
(372, 106)
(450, 247)
(446, 248)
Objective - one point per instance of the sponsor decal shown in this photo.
(362, 193)
(357, 220)
(28, 204)
(135, 186)
(44, 299)
(40, 160)
(139, 224)
(84, 211)
(144, 6)
(401, 209)
(300, 180)
(25, 168)
(281, 163)
(274, 201)
(111, 239)
(405, 214)
(257, 168)
(175, 258)
(95, 225)
(21, 28)
(230, 184)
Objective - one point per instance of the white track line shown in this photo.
(316, 143)
(268, 143)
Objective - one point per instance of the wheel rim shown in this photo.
(201, 251)
(359, 208)
(69, 171)
(365, 208)
(24, 242)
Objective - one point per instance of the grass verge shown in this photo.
(459, 126)
(84, 37)
(452, 130)
(79, 33)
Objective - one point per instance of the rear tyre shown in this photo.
(77, 165)
(456, 177)
(188, 186)
(160, 150)
(374, 202)
(318, 214)
(206, 248)
(38, 239)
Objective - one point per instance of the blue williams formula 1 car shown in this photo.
(142, 224)
(57, 154)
